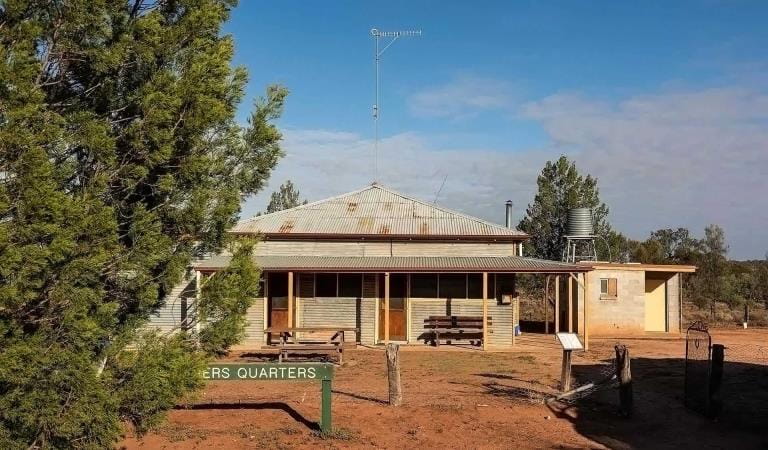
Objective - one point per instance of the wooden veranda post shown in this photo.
(586, 311)
(386, 307)
(570, 305)
(557, 304)
(546, 305)
(485, 310)
(290, 299)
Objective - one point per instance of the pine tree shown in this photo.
(285, 198)
(120, 161)
(560, 188)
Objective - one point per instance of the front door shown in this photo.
(277, 297)
(398, 286)
(655, 305)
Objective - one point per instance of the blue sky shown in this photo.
(665, 102)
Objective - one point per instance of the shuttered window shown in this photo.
(325, 285)
(608, 288)
(350, 285)
(424, 285)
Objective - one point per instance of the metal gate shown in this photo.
(698, 356)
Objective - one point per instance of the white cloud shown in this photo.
(684, 158)
(464, 96)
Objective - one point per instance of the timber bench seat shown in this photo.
(291, 343)
(455, 328)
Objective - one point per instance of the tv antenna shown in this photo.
(377, 36)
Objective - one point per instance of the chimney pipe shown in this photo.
(508, 222)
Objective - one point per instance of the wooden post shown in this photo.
(586, 312)
(715, 380)
(290, 299)
(546, 305)
(326, 421)
(198, 293)
(624, 375)
(557, 303)
(393, 374)
(386, 307)
(570, 304)
(565, 375)
(485, 311)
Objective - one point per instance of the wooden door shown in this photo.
(655, 305)
(277, 298)
(397, 307)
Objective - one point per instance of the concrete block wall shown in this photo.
(673, 303)
(623, 315)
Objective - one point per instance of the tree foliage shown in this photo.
(120, 161)
(560, 188)
(285, 198)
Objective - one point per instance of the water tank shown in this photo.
(579, 222)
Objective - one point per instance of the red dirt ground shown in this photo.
(471, 399)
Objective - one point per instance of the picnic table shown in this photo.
(300, 340)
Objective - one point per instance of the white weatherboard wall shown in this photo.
(254, 329)
(179, 303)
(368, 310)
(383, 248)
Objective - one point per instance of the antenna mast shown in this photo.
(377, 35)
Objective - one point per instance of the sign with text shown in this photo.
(569, 341)
(269, 372)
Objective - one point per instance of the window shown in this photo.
(325, 285)
(505, 285)
(453, 285)
(350, 285)
(608, 288)
(475, 285)
(424, 285)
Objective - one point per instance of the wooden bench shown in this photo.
(290, 343)
(456, 328)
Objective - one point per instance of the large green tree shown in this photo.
(560, 188)
(120, 161)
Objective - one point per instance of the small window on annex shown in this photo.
(325, 285)
(608, 288)
(350, 285)
(453, 285)
(424, 285)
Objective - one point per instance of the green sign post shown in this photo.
(321, 372)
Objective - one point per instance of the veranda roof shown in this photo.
(516, 264)
(374, 212)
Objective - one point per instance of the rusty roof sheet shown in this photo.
(373, 211)
(400, 263)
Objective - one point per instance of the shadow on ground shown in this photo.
(295, 415)
(659, 420)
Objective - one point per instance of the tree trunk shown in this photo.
(393, 373)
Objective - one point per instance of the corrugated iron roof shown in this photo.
(400, 263)
(373, 211)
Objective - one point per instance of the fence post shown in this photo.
(624, 375)
(393, 373)
(716, 379)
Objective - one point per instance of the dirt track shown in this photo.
(471, 399)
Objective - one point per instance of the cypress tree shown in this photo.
(120, 161)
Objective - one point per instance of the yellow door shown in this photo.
(655, 305)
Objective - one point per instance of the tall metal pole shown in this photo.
(377, 34)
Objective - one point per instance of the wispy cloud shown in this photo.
(464, 96)
(682, 158)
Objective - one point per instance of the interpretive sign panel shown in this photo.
(569, 341)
